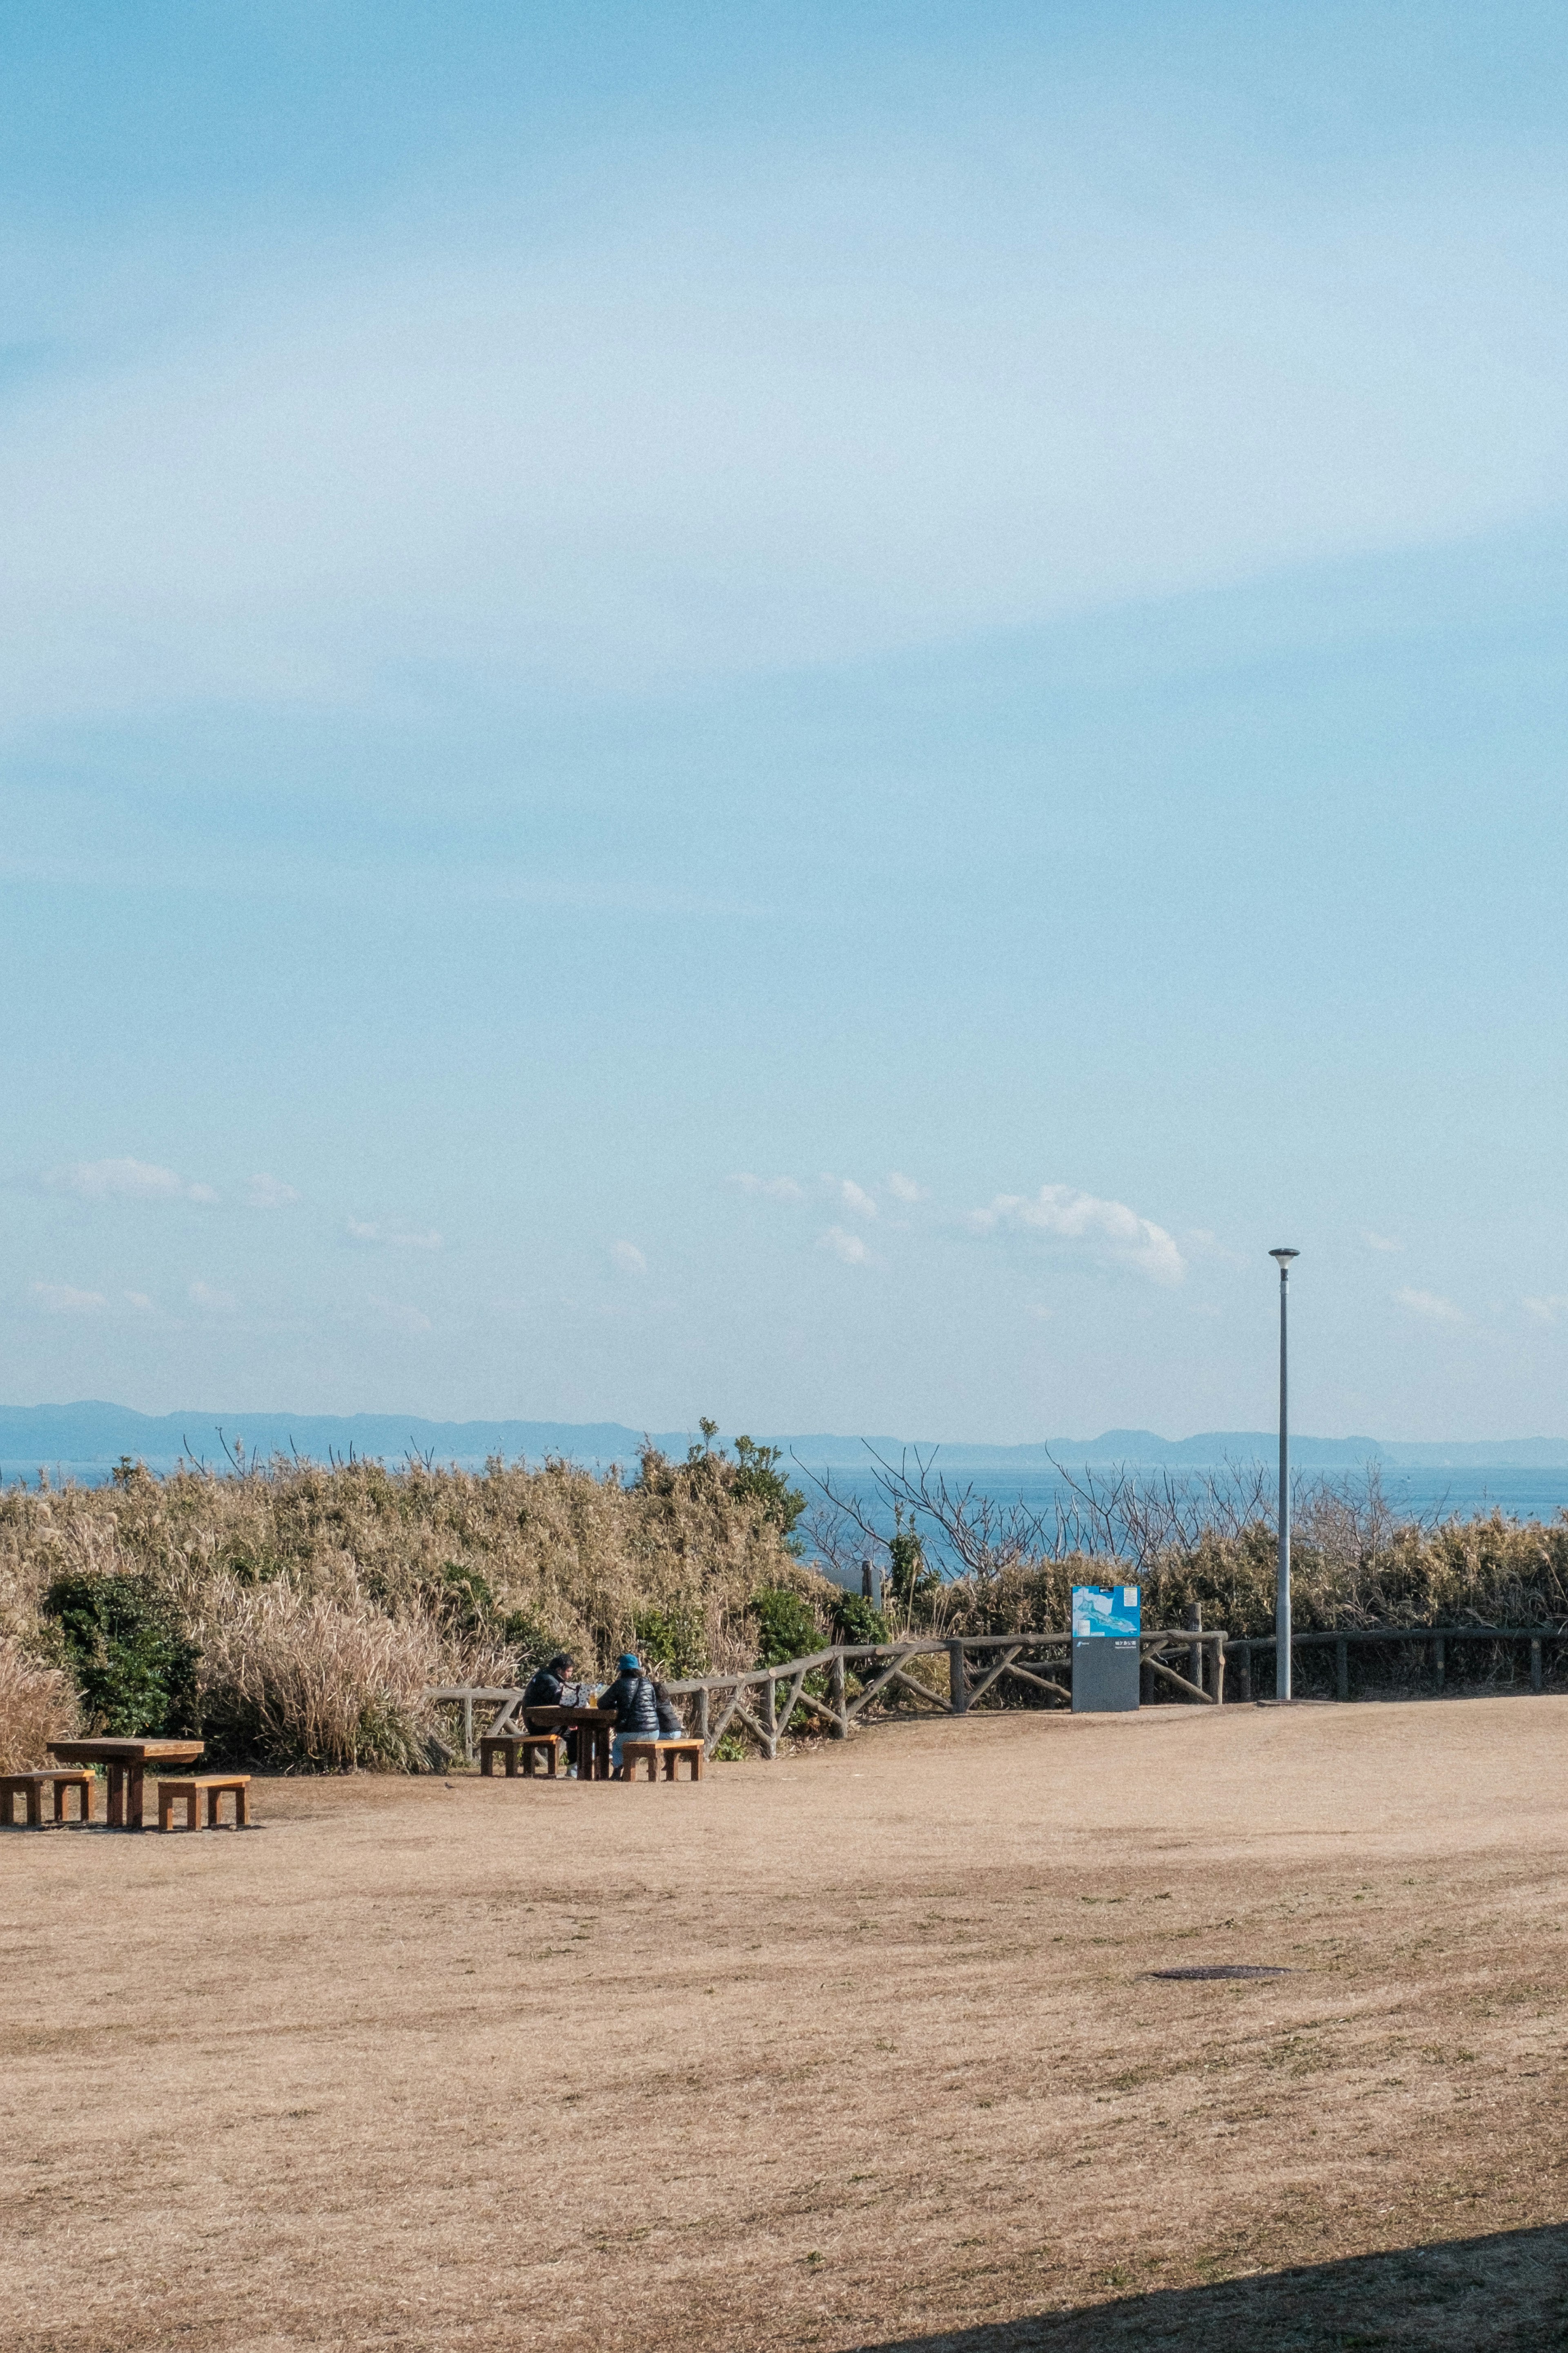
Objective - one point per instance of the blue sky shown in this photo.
(798, 713)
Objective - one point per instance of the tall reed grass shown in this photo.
(37, 1705)
(323, 1600)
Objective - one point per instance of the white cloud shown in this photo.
(136, 1180)
(373, 1235)
(1429, 1304)
(265, 1192)
(772, 1188)
(394, 1315)
(628, 1258)
(64, 1299)
(1108, 1231)
(1549, 1309)
(904, 1188)
(138, 1299)
(203, 1294)
(844, 1246)
(1382, 1242)
(857, 1199)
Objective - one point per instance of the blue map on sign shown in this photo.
(1106, 1609)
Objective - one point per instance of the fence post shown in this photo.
(958, 1681)
(702, 1715)
(1245, 1665)
(835, 1686)
(1342, 1669)
(1193, 1624)
(468, 1727)
(1535, 1674)
(1440, 1660)
(770, 1716)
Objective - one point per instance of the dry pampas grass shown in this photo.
(324, 1601)
(37, 1705)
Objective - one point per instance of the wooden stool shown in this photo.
(29, 1787)
(187, 1792)
(638, 1752)
(512, 1746)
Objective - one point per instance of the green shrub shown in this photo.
(672, 1642)
(135, 1671)
(786, 1628)
(856, 1619)
(759, 1481)
(910, 1580)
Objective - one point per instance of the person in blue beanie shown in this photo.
(631, 1697)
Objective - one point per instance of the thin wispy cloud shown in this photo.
(847, 1247)
(1381, 1242)
(856, 1199)
(126, 1180)
(442, 443)
(264, 1192)
(1429, 1304)
(628, 1258)
(904, 1188)
(65, 1299)
(1549, 1309)
(375, 1234)
(770, 1188)
(1104, 1232)
(210, 1298)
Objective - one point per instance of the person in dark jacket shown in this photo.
(550, 1688)
(635, 1710)
(670, 1726)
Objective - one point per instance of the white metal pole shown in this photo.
(1282, 1583)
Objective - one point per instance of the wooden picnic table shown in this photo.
(124, 1762)
(595, 1727)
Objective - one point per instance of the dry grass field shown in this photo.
(855, 2050)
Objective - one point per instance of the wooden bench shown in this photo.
(516, 1747)
(29, 1788)
(186, 1792)
(639, 1752)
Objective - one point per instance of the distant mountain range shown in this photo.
(84, 1441)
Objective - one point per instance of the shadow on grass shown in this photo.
(1507, 2294)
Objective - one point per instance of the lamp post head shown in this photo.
(1284, 1257)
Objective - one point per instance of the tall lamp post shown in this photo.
(1282, 1258)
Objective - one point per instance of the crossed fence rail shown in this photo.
(1192, 1663)
(761, 1703)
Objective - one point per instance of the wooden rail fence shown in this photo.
(761, 1703)
(1437, 1638)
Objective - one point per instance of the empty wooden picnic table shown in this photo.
(595, 1727)
(124, 1762)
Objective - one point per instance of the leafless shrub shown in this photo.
(1207, 1537)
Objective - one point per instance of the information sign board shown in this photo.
(1106, 1622)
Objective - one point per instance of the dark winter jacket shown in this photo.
(546, 1690)
(637, 1711)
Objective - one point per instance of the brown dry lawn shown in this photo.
(853, 2050)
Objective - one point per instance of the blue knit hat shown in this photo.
(630, 1659)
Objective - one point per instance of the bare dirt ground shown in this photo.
(853, 2050)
